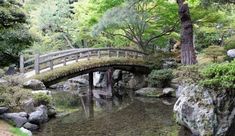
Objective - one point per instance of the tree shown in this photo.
(14, 35)
(188, 55)
(143, 22)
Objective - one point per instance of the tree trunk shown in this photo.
(188, 55)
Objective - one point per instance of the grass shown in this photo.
(17, 132)
(84, 65)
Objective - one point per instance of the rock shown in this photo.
(137, 82)
(39, 116)
(51, 112)
(29, 133)
(231, 53)
(3, 110)
(2, 81)
(31, 127)
(11, 70)
(195, 110)
(18, 119)
(34, 84)
(42, 91)
(169, 63)
(28, 105)
(117, 75)
(100, 79)
(168, 91)
(79, 81)
(149, 92)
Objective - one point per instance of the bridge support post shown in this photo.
(36, 64)
(109, 83)
(91, 85)
(21, 64)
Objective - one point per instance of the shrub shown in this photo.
(2, 72)
(160, 78)
(214, 52)
(42, 99)
(219, 76)
(13, 96)
(155, 61)
(187, 74)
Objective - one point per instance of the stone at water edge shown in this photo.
(39, 116)
(231, 53)
(28, 105)
(30, 126)
(3, 110)
(18, 119)
(29, 133)
(149, 92)
(198, 116)
(168, 91)
(34, 84)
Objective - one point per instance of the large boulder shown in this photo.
(3, 110)
(100, 79)
(28, 105)
(231, 53)
(117, 75)
(19, 119)
(39, 116)
(149, 92)
(34, 84)
(199, 109)
(137, 82)
(31, 127)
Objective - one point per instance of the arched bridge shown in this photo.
(53, 67)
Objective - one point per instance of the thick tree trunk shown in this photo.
(188, 55)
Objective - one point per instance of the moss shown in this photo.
(13, 96)
(83, 65)
(17, 132)
(42, 99)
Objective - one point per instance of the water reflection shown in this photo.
(123, 115)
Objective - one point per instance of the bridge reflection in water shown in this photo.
(99, 100)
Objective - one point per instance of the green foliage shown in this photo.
(187, 74)
(17, 132)
(139, 22)
(219, 76)
(13, 96)
(14, 35)
(2, 72)
(160, 78)
(42, 99)
(155, 61)
(66, 100)
(214, 52)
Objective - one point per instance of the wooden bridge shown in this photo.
(51, 68)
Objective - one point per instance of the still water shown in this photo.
(124, 115)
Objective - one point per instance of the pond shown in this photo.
(124, 115)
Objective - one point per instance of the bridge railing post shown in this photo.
(109, 53)
(76, 57)
(21, 63)
(98, 54)
(126, 54)
(65, 59)
(51, 65)
(88, 55)
(118, 53)
(36, 64)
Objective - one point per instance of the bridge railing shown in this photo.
(49, 61)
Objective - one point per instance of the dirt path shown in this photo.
(5, 129)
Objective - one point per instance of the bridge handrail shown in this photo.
(49, 58)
